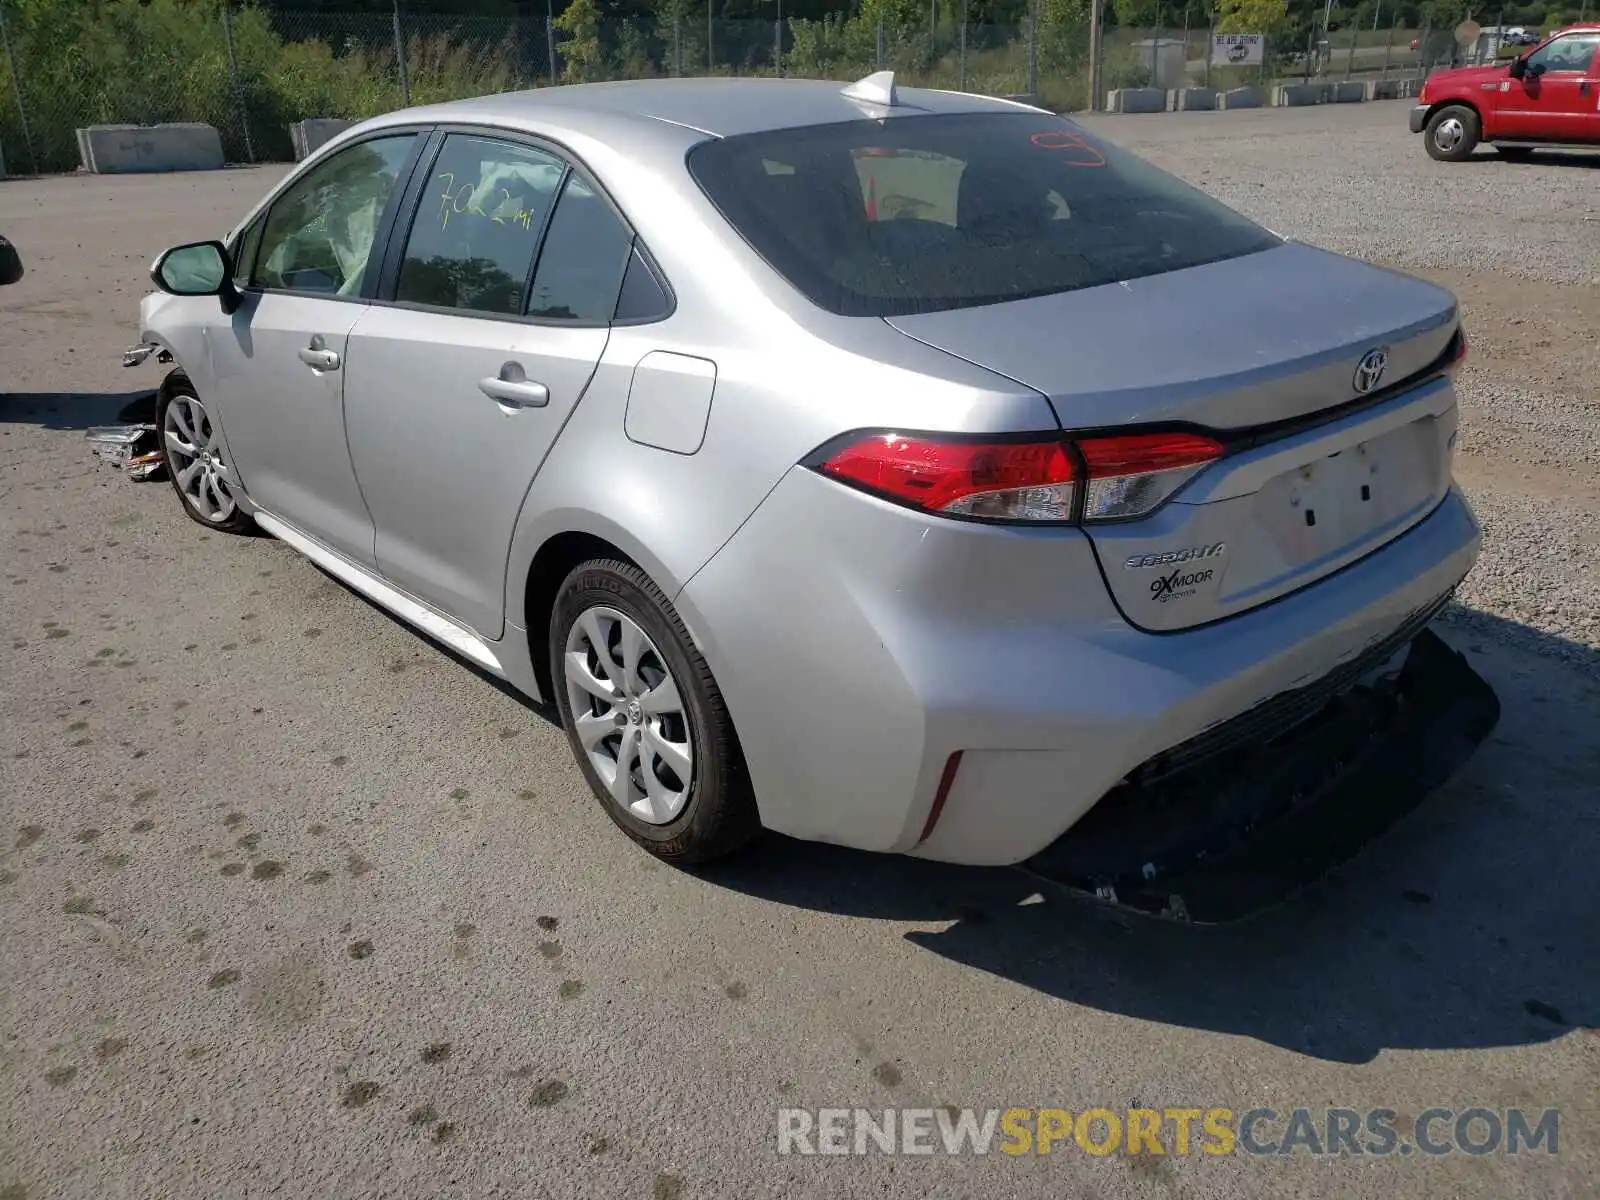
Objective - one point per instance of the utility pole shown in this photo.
(1096, 7)
(550, 39)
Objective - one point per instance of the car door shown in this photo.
(1555, 100)
(465, 370)
(278, 362)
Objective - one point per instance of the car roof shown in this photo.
(712, 106)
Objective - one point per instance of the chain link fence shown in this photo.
(251, 72)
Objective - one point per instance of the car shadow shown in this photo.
(1473, 923)
(77, 410)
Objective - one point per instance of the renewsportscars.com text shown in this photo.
(1177, 1131)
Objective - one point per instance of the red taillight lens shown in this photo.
(1128, 475)
(1133, 474)
(1460, 356)
(1003, 481)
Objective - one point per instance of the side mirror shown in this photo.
(197, 269)
(10, 263)
(1519, 68)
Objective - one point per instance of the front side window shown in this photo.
(477, 226)
(926, 213)
(1572, 53)
(244, 253)
(319, 234)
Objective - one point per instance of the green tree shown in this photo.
(1063, 33)
(1252, 16)
(580, 48)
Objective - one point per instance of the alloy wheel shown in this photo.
(628, 715)
(195, 459)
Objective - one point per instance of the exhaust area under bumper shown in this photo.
(1214, 837)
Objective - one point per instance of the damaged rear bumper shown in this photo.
(1224, 826)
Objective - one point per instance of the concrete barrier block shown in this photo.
(1136, 100)
(1194, 99)
(124, 149)
(1351, 91)
(1297, 95)
(311, 135)
(1242, 97)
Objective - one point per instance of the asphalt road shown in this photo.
(293, 903)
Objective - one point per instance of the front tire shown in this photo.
(1452, 133)
(645, 719)
(192, 454)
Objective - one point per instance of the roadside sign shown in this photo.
(1237, 49)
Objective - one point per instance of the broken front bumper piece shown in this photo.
(137, 355)
(132, 448)
(1248, 815)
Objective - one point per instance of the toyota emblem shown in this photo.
(1370, 369)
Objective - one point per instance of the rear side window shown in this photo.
(585, 253)
(477, 226)
(643, 297)
(926, 213)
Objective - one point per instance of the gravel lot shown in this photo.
(292, 903)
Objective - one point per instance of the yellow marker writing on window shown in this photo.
(455, 200)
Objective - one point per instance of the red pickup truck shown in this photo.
(1548, 96)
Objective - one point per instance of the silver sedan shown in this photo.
(896, 468)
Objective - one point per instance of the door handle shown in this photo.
(318, 357)
(514, 389)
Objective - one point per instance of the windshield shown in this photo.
(925, 213)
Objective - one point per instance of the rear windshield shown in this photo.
(925, 213)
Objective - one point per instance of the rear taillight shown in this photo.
(1459, 352)
(1092, 478)
(1000, 481)
(1132, 475)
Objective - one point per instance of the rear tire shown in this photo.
(1452, 133)
(191, 451)
(1514, 153)
(645, 719)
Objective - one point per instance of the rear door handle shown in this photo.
(318, 357)
(514, 389)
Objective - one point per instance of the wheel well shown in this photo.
(171, 379)
(551, 566)
(1434, 108)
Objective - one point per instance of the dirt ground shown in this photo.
(293, 903)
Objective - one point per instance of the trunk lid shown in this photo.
(1240, 348)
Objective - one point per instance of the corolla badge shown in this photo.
(1168, 557)
(1370, 369)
